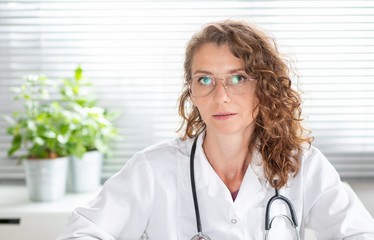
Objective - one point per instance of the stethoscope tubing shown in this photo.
(193, 186)
(277, 196)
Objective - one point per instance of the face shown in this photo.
(223, 111)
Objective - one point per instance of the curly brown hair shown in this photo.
(278, 133)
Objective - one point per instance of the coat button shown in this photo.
(233, 221)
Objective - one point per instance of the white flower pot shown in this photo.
(84, 174)
(46, 178)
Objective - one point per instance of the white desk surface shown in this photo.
(14, 199)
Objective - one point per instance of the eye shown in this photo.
(237, 79)
(205, 80)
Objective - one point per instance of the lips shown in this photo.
(223, 115)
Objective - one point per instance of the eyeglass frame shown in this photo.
(222, 77)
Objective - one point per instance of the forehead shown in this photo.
(217, 59)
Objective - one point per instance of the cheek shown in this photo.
(255, 108)
(251, 106)
(202, 110)
(199, 105)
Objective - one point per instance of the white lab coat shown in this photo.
(152, 194)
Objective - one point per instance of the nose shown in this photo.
(220, 92)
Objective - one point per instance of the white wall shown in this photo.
(365, 191)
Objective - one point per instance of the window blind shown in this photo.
(133, 52)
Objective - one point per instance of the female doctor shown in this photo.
(243, 169)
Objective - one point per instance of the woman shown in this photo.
(244, 138)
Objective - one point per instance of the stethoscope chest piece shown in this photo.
(200, 236)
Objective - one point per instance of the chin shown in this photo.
(231, 129)
(226, 130)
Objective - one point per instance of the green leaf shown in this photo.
(39, 141)
(16, 144)
(31, 125)
(64, 129)
(101, 146)
(62, 139)
(75, 90)
(79, 150)
(78, 73)
(48, 134)
(112, 115)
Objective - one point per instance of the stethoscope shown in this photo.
(268, 220)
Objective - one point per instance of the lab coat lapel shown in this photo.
(251, 192)
(216, 187)
(185, 209)
(200, 166)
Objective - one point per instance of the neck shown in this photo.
(229, 155)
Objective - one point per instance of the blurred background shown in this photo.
(133, 52)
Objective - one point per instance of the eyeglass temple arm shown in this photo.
(268, 206)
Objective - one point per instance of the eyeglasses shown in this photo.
(237, 83)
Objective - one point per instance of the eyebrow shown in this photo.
(210, 73)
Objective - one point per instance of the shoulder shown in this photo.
(316, 167)
(155, 161)
(161, 155)
(311, 156)
(167, 150)
(174, 146)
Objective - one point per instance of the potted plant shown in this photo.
(40, 131)
(92, 133)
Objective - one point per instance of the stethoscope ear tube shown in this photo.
(193, 186)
